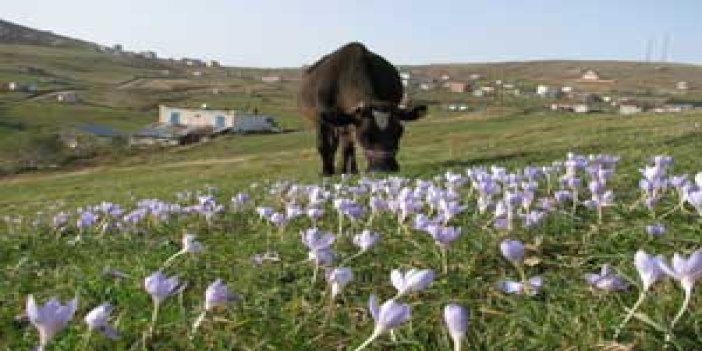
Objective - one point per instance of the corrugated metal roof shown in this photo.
(170, 131)
(98, 130)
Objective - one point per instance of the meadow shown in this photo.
(280, 308)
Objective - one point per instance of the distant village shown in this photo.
(567, 98)
(586, 92)
(175, 126)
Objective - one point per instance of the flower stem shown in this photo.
(197, 322)
(368, 341)
(575, 202)
(86, 340)
(683, 308)
(314, 273)
(444, 256)
(154, 317)
(341, 223)
(526, 287)
(351, 258)
(456, 344)
(633, 310)
(170, 259)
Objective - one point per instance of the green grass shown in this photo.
(281, 311)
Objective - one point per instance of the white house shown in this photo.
(217, 119)
(591, 75)
(581, 108)
(271, 79)
(12, 86)
(629, 109)
(67, 97)
(682, 85)
(546, 91)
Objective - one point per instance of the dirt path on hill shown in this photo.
(164, 166)
(50, 94)
(98, 169)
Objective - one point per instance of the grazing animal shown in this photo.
(353, 96)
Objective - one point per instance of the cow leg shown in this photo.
(327, 143)
(348, 152)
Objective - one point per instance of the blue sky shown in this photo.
(291, 33)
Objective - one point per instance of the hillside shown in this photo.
(623, 76)
(123, 89)
(11, 33)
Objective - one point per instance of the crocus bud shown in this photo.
(190, 244)
(456, 318)
(655, 229)
(218, 295)
(338, 278)
(512, 250)
(96, 320)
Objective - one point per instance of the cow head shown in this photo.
(378, 132)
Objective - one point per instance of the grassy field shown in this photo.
(280, 310)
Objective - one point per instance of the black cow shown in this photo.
(353, 95)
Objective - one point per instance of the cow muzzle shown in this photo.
(382, 161)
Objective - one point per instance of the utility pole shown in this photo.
(665, 48)
(649, 48)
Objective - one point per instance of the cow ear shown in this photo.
(362, 110)
(415, 114)
(338, 119)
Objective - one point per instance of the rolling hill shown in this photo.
(124, 89)
(12, 33)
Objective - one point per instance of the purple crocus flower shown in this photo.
(655, 229)
(316, 239)
(60, 220)
(366, 240)
(86, 219)
(278, 219)
(512, 250)
(315, 213)
(96, 320)
(687, 271)
(533, 218)
(412, 280)
(607, 279)
(293, 211)
(514, 287)
(442, 235)
(50, 318)
(694, 198)
(562, 196)
(264, 212)
(240, 199)
(387, 317)
(338, 278)
(456, 319)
